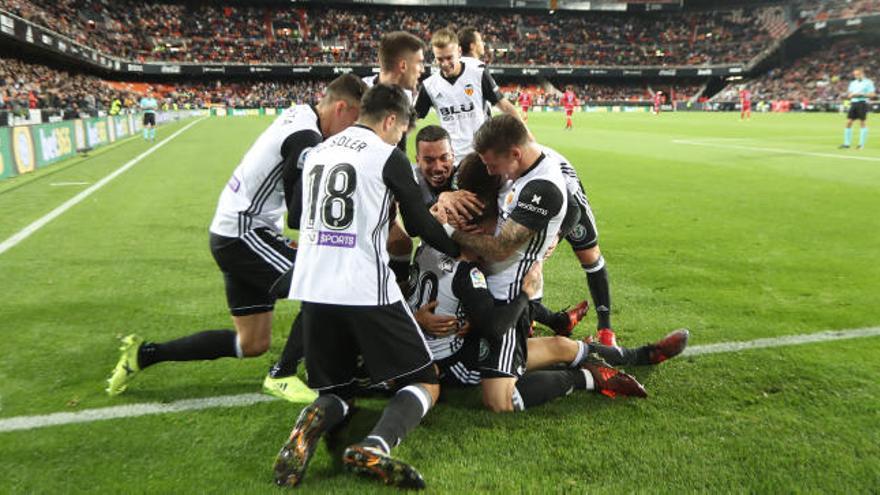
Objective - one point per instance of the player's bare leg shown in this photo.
(549, 351)
(254, 333)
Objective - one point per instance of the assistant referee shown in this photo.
(860, 91)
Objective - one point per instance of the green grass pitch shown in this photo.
(737, 230)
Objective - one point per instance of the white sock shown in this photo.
(588, 377)
(582, 351)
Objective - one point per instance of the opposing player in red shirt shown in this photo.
(569, 101)
(658, 100)
(525, 102)
(745, 102)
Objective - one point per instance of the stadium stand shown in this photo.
(824, 10)
(821, 76)
(25, 85)
(320, 34)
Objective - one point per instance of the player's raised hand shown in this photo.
(533, 280)
(436, 325)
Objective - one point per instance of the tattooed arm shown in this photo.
(496, 248)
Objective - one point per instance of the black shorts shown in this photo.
(858, 110)
(387, 337)
(150, 119)
(585, 234)
(257, 268)
(509, 354)
(462, 369)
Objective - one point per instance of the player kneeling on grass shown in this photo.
(351, 305)
(247, 241)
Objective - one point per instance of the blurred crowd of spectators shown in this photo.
(821, 76)
(197, 32)
(25, 86)
(822, 10)
(593, 92)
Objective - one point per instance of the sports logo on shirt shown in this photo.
(336, 239)
(446, 265)
(234, 183)
(478, 280)
(469, 89)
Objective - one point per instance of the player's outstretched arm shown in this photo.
(418, 222)
(496, 248)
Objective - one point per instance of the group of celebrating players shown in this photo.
(489, 204)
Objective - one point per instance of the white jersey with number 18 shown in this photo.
(342, 257)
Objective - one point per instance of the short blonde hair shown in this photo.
(443, 38)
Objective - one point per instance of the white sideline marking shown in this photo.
(19, 423)
(777, 150)
(786, 340)
(40, 222)
(58, 184)
(130, 411)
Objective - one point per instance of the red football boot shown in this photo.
(574, 315)
(668, 347)
(606, 337)
(612, 382)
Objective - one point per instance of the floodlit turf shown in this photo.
(699, 228)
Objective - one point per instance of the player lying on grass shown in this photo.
(458, 289)
(246, 236)
(532, 204)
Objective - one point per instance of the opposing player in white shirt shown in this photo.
(246, 236)
(458, 93)
(351, 305)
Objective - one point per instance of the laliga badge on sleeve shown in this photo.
(478, 280)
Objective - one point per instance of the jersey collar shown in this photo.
(452, 80)
(362, 126)
(534, 165)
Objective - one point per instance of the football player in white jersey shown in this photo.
(246, 236)
(401, 62)
(472, 47)
(458, 93)
(472, 52)
(351, 306)
(532, 204)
